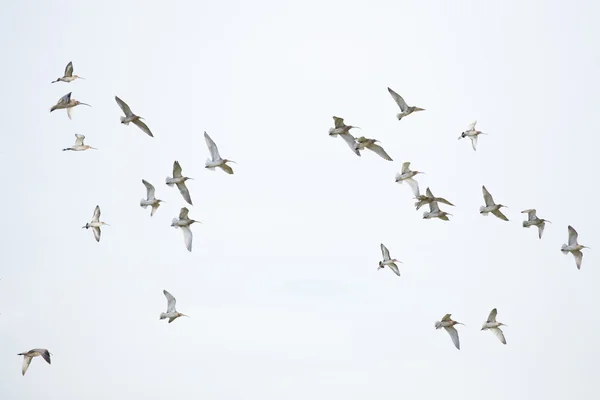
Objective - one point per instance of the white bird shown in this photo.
(494, 326)
(79, 146)
(364, 143)
(184, 223)
(406, 175)
(490, 206)
(573, 247)
(343, 130)
(472, 134)
(131, 117)
(150, 200)
(533, 220)
(68, 103)
(95, 224)
(428, 198)
(435, 212)
(171, 313)
(405, 108)
(179, 180)
(390, 262)
(448, 324)
(28, 356)
(216, 160)
(69, 77)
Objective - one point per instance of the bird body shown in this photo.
(28, 356)
(448, 324)
(184, 223)
(574, 247)
(79, 146)
(215, 160)
(472, 134)
(171, 313)
(533, 220)
(406, 175)
(494, 326)
(388, 261)
(67, 103)
(95, 224)
(362, 143)
(405, 109)
(150, 200)
(490, 206)
(179, 180)
(68, 77)
(131, 117)
(429, 198)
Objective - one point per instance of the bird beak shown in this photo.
(106, 224)
(191, 179)
(85, 104)
(93, 148)
(81, 77)
(547, 221)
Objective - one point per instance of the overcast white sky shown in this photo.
(282, 285)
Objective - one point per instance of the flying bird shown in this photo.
(428, 198)
(171, 313)
(390, 262)
(179, 180)
(343, 131)
(68, 103)
(131, 117)
(405, 108)
(406, 175)
(573, 247)
(364, 143)
(435, 212)
(216, 160)
(28, 356)
(69, 77)
(533, 220)
(472, 134)
(448, 324)
(490, 206)
(150, 200)
(95, 224)
(184, 223)
(492, 325)
(79, 146)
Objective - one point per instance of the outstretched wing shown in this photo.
(487, 197)
(499, 214)
(212, 147)
(65, 99)
(454, 335)
(399, 100)
(444, 201)
(472, 126)
(499, 334)
(170, 301)
(474, 142)
(45, 355)
(69, 69)
(492, 316)
(176, 170)
(578, 258)
(380, 151)
(149, 190)
(414, 185)
(226, 168)
(140, 124)
(79, 139)
(96, 216)
(446, 317)
(572, 236)
(26, 362)
(385, 252)
(184, 192)
(405, 167)
(124, 107)
(183, 213)
(339, 122)
(97, 233)
(531, 215)
(351, 141)
(187, 237)
(394, 268)
(434, 207)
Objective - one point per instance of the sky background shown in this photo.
(282, 285)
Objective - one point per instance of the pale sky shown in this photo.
(282, 286)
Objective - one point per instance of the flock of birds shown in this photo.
(357, 145)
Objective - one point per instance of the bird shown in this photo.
(28, 356)
(171, 313)
(405, 108)
(428, 198)
(79, 146)
(68, 77)
(390, 262)
(490, 206)
(131, 117)
(573, 247)
(472, 134)
(215, 159)
(406, 175)
(364, 143)
(95, 224)
(494, 326)
(532, 219)
(150, 200)
(68, 103)
(343, 131)
(435, 212)
(184, 223)
(179, 180)
(448, 324)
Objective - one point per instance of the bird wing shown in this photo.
(124, 107)
(414, 185)
(149, 190)
(492, 316)
(226, 168)
(572, 236)
(187, 237)
(79, 139)
(351, 141)
(96, 216)
(434, 207)
(184, 192)
(212, 147)
(339, 122)
(183, 213)
(69, 112)
(405, 167)
(379, 151)
(45, 355)
(499, 334)
(399, 100)
(140, 124)
(443, 200)
(176, 170)
(428, 193)
(26, 362)
(394, 268)
(454, 335)
(154, 208)
(446, 317)
(530, 213)
(65, 99)
(170, 301)
(541, 229)
(97, 233)
(385, 252)
(472, 126)
(487, 197)
(578, 258)
(473, 142)
(499, 214)
(69, 69)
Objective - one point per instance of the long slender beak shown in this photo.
(547, 221)
(190, 178)
(231, 161)
(81, 77)
(85, 104)
(106, 224)
(93, 148)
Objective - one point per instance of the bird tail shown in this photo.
(207, 164)
(173, 222)
(481, 210)
(123, 121)
(168, 182)
(52, 108)
(398, 178)
(66, 149)
(564, 249)
(525, 225)
(144, 206)
(162, 315)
